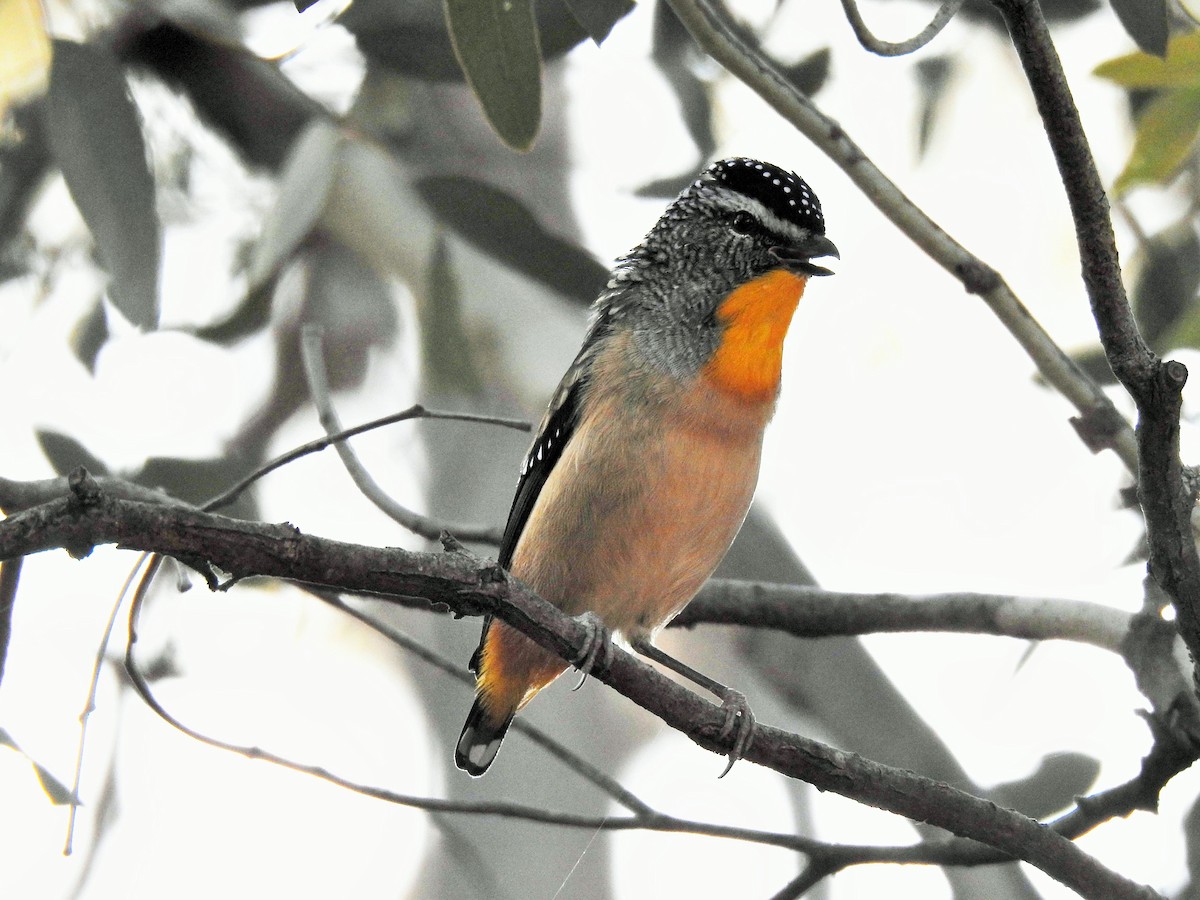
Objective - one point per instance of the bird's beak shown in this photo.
(798, 256)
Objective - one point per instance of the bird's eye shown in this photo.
(743, 222)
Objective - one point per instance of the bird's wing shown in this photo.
(556, 429)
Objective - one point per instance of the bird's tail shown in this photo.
(480, 739)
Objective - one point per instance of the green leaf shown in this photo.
(59, 793)
(401, 37)
(501, 226)
(1146, 22)
(1163, 294)
(96, 138)
(672, 52)
(1165, 135)
(1180, 68)
(308, 176)
(496, 43)
(446, 363)
(597, 17)
(809, 74)
(65, 453)
(89, 335)
(196, 480)
(933, 77)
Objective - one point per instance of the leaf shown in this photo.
(1180, 68)
(65, 454)
(399, 36)
(1146, 22)
(496, 43)
(59, 793)
(24, 52)
(1058, 780)
(96, 138)
(304, 186)
(89, 335)
(1163, 294)
(1094, 364)
(501, 226)
(933, 77)
(1165, 135)
(447, 365)
(808, 75)
(597, 17)
(671, 52)
(196, 480)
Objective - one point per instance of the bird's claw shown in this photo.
(739, 722)
(599, 636)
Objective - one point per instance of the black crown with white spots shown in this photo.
(784, 193)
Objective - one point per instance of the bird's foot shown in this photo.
(599, 636)
(739, 722)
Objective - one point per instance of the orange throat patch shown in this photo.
(749, 360)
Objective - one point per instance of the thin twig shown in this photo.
(947, 11)
(416, 411)
(580, 766)
(426, 527)
(649, 820)
(90, 705)
(710, 25)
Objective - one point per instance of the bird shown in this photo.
(645, 463)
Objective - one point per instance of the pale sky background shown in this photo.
(912, 452)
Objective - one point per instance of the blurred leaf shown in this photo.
(353, 305)
(1094, 364)
(197, 480)
(210, 20)
(65, 453)
(403, 38)
(1165, 135)
(933, 76)
(374, 211)
(496, 43)
(59, 793)
(597, 17)
(808, 75)
(89, 336)
(97, 140)
(447, 363)
(671, 51)
(250, 316)
(1059, 779)
(502, 227)
(1180, 68)
(24, 53)
(1146, 22)
(308, 175)
(1164, 290)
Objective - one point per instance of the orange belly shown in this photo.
(633, 519)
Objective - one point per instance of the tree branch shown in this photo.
(815, 612)
(1156, 386)
(947, 11)
(88, 517)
